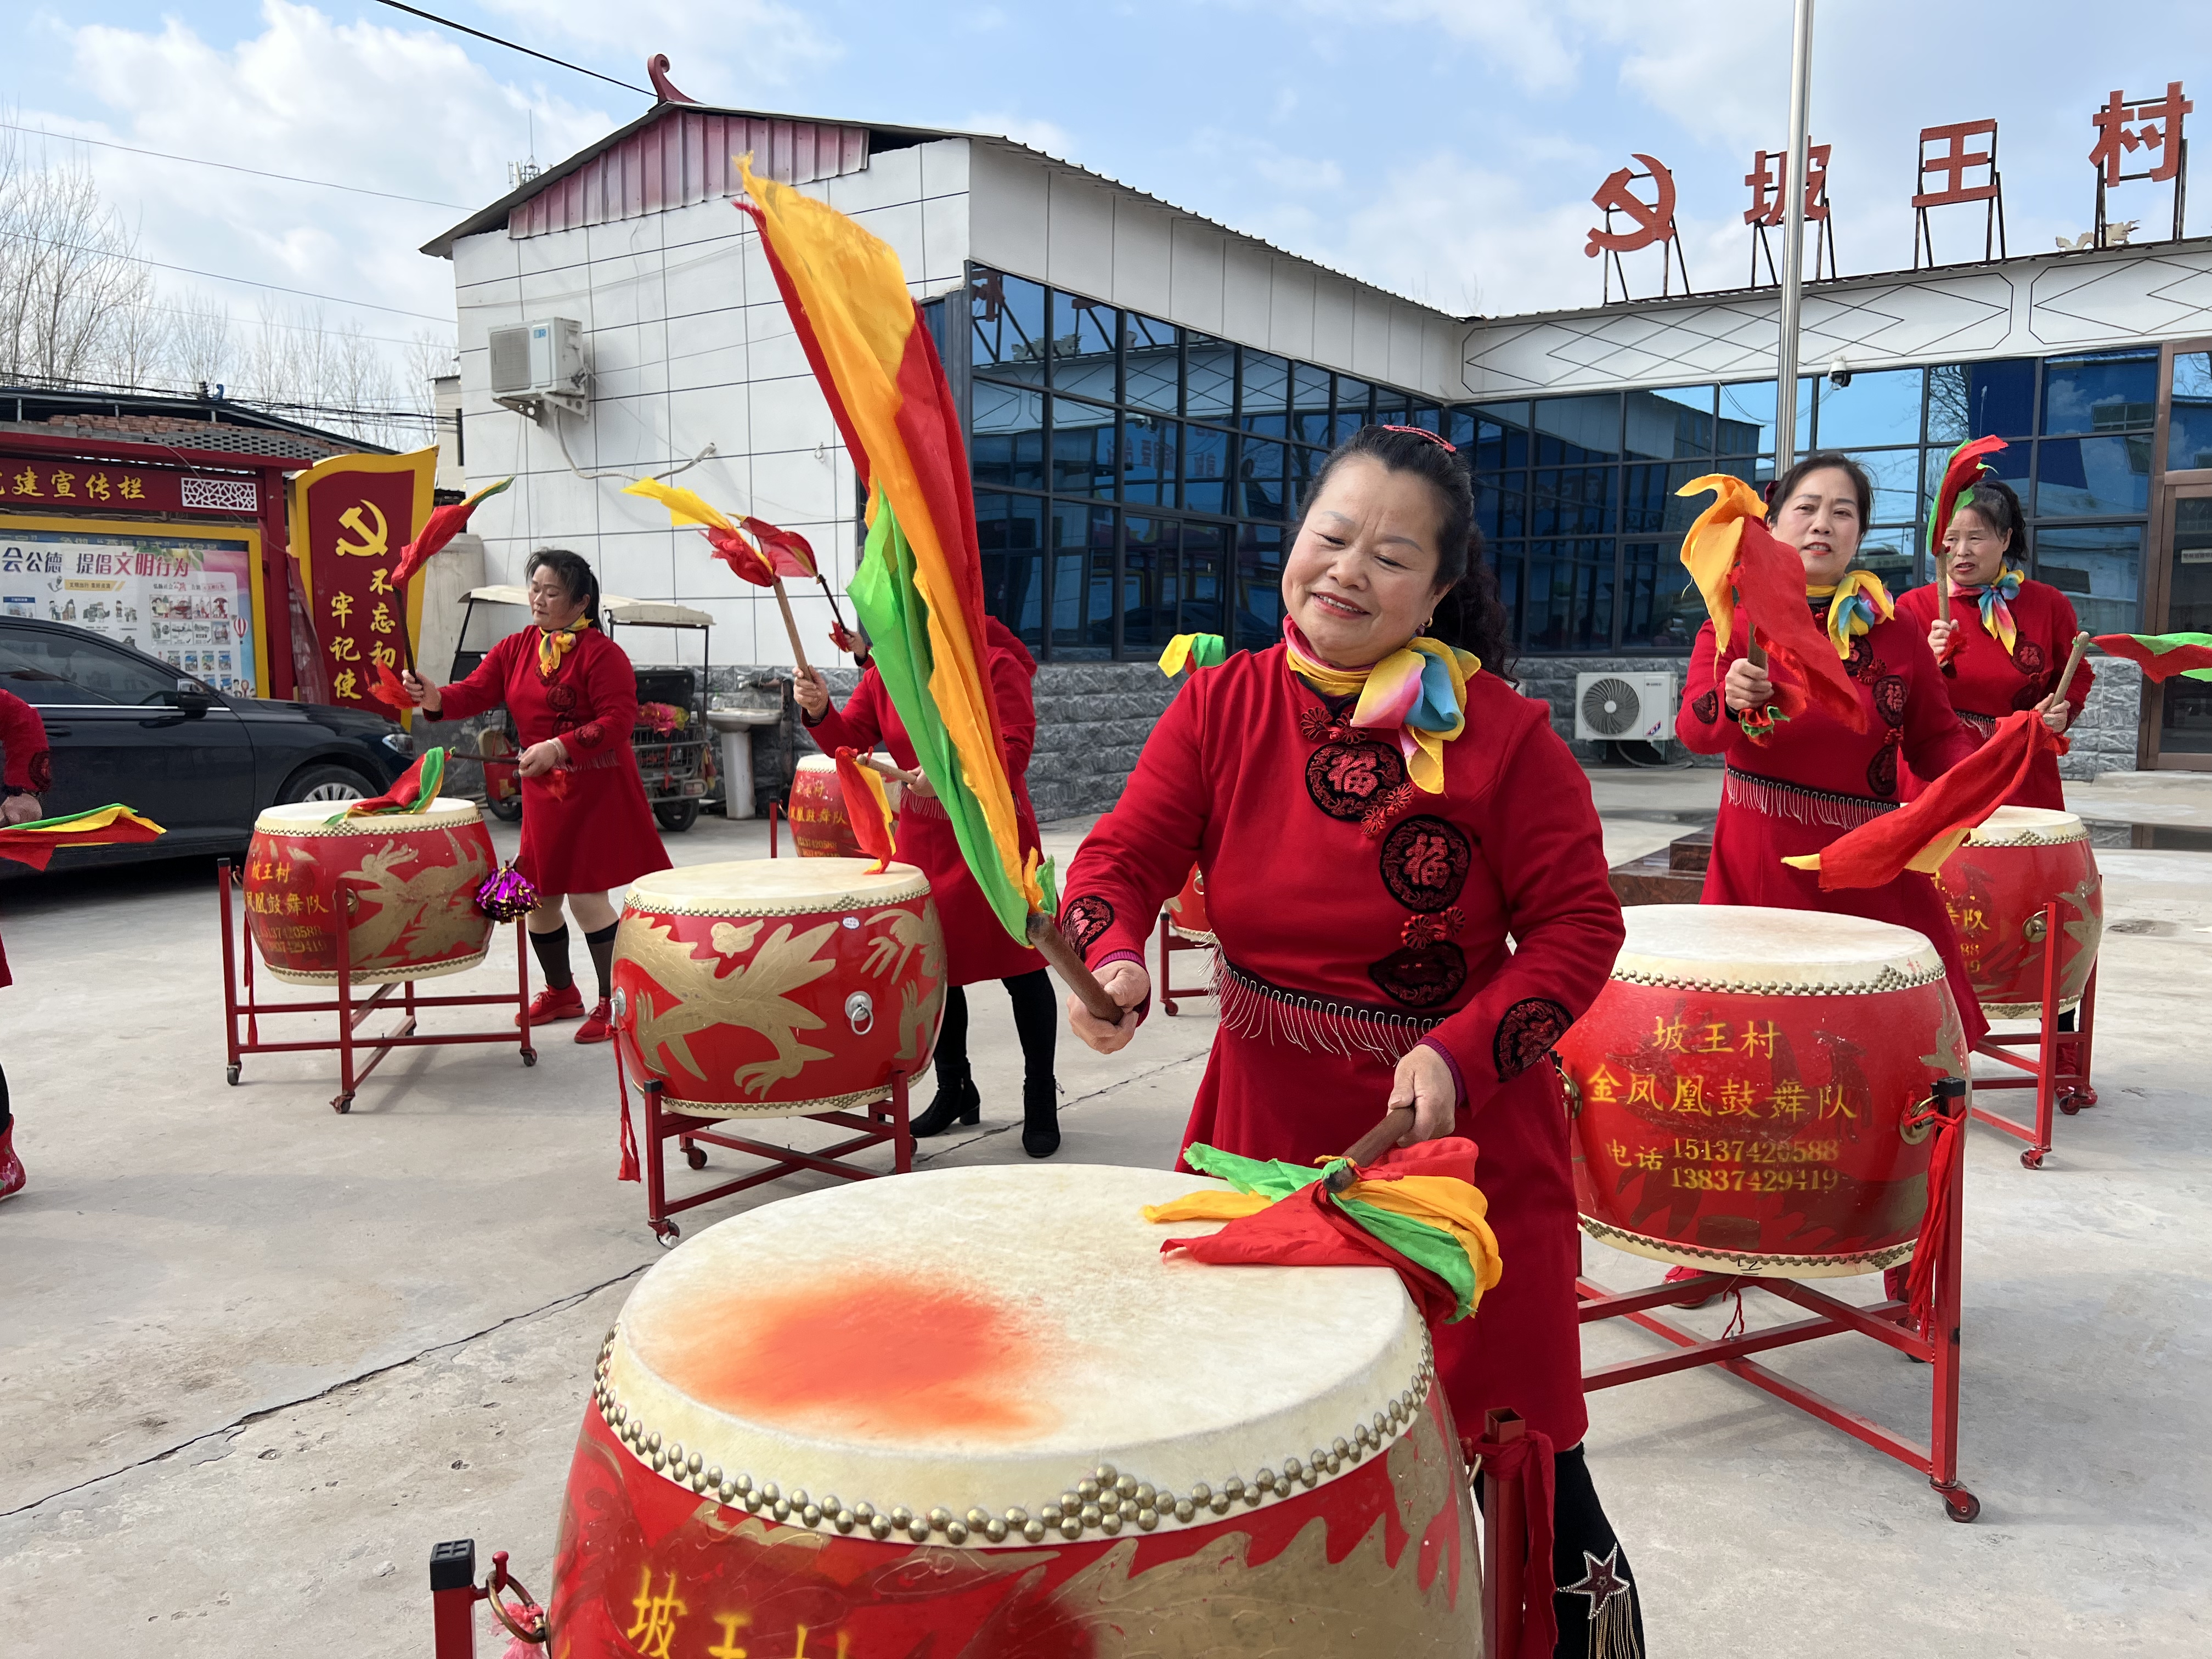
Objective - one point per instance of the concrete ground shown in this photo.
(255, 1358)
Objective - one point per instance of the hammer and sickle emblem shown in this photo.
(373, 542)
(1652, 221)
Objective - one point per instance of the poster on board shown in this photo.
(189, 600)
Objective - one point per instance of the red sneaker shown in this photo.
(549, 1005)
(597, 1026)
(1683, 1275)
(11, 1167)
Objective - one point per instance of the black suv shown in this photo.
(128, 727)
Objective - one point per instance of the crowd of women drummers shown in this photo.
(1435, 910)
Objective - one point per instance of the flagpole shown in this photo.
(1793, 262)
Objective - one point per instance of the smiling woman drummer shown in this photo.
(585, 824)
(1377, 815)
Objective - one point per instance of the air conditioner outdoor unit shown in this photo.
(540, 365)
(1625, 707)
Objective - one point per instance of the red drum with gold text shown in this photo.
(1187, 910)
(819, 828)
(976, 1411)
(409, 881)
(1995, 885)
(1740, 1089)
(767, 987)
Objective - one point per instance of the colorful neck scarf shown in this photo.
(1996, 601)
(1417, 692)
(1855, 604)
(554, 644)
(1195, 651)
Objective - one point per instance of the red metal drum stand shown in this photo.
(1886, 1323)
(877, 1121)
(1171, 942)
(239, 1003)
(2059, 1074)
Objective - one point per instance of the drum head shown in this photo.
(986, 1337)
(1743, 947)
(2027, 826)
(312, 817)
(775, 887)
(816, 763)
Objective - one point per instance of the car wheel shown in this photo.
(677, 816)
(507, 812)
(331, 783)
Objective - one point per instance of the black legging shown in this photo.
(1585, 1552)
(7, 1117)
(1035, 1020)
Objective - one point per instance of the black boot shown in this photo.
(1040, 1117)
(956, 1102)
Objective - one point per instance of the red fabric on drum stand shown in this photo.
(1934, 1224)
(1528, 1459)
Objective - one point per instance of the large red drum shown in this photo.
(409, 881)
(768, 988)
(976, 1412)
(1996, 886)
(1187, 910)
(819, 828)
(1741, 1090)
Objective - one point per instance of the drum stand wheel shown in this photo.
(693, 1154)
(1886, 1323)
(2059, 1073)
(1171, 943)
(240, 1004)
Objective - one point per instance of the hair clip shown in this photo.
(1423, 432)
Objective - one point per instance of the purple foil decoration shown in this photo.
(506, 894)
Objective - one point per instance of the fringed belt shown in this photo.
(1252, 1008)
(1985, 724)
(1776, 799)
(915, 803)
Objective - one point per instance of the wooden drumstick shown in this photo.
(790, 627)
(1046, 938)
(1371, 1145)
(2073, 661)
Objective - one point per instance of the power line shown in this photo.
(217, 276)
(527, 52)
(165, 155)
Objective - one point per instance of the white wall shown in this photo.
(688, 344)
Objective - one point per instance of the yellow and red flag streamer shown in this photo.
(753, 547)
(867, 807)
(920, 587)
(36, 843)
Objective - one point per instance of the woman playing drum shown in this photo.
(976, 944)
(28, 770)
(586, 825)
(1377, 815)
(2010, 656)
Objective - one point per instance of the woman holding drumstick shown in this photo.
(586, 827)
(1378, 814)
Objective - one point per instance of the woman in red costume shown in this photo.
(1377, 815)
(586, 825)
(2008, 639)
(28, 770)
(976, 944)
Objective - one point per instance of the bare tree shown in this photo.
(67, 271)
(202, 351)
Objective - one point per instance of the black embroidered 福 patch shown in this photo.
(1346, 779)
(1882, 771)
(560, 697)
(1889, 698)
(1862, 664)
(1707, 707)
(1425, 862)
(1082, 919)
(1526, 1034)
(1422, 977)
(2027, 657)
(42, 771)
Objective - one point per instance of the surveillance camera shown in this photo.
(1839, 373)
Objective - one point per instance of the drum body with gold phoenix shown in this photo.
(1741, 1090)
(976, 1411)
(769, 988)
(407, 881)
(1996, 886)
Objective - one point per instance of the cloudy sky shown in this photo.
(1446, 148)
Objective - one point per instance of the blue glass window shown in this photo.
(1649, 504)
(2092, 478)
(1501, 504)
(1572, 500)
(1151, 590)
(1663, 425)
(1010, 530)
(1569, 605)
(1651, 577)
(1499, 447)
(1896, 474)
(2188, 432)
(1204, 548)
(2100, 392)
(1258, 586)
(1266, 385)
(1205, 469)
(1388, 411)
(1082, 336)
(2100, 569)
(1305, 465)
(1882, 407)
(1259, 480)
(1979, 400)
(1573, 430)
(1149, 448)
(1212, 391)
(1354, 398)
(1506, 560)
(1309, 404)
(1006, 443)
(1083, 448)
(1747, 419)
(1459, 426)
(1082, 581)
(1007, 314)
(1155, 364)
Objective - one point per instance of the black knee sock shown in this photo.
(601, 944)
(1597, 1621)
(552, 951)
(1036, 1021)
(952, 1039)
(7, 1117)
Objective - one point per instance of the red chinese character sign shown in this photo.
(2151, 126)
(1649, 223)
(351, 515)
(1953, 172)
(1768, 178)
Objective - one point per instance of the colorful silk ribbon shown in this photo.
(1996, 601)
(1855, 604)
(1417, 692)
(1194, 650)
(554, 644)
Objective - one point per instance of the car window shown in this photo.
(51, 669)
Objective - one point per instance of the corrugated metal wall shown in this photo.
(685, 157)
